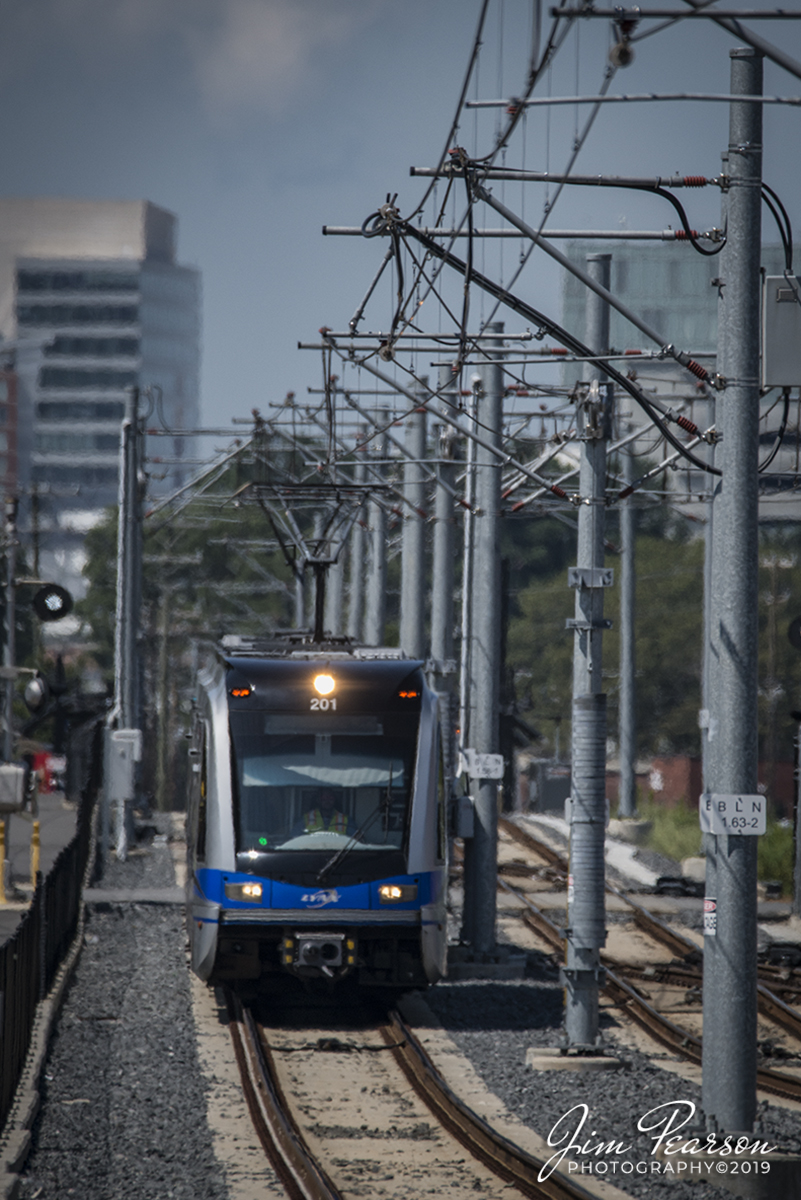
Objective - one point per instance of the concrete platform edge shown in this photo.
(15, 1138)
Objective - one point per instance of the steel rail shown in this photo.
(660, 1028)
(769, 1004)
(300, 1173)
(502, 1157)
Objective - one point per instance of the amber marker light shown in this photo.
(240, 692)
(324, 684)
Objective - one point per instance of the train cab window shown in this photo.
(321, 791)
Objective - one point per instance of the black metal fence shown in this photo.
(31, 958)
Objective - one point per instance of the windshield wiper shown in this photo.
(337, 858)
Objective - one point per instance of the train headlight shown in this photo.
(397, 893)
(243, 891)
(324, 684)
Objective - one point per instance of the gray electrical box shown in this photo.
(12, 787)
(124, 751)
(781, 332)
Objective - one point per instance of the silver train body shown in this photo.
(316, 818)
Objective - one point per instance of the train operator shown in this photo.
(326, 817)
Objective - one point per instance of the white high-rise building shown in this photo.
(95, 304)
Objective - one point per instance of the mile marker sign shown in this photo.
(744, 815)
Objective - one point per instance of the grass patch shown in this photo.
(775, 856)
(676, 833)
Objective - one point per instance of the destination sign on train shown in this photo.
(722, 813)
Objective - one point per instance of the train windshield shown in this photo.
(309, 790)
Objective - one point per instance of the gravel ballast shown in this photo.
(123, 1100)
(493, 1024)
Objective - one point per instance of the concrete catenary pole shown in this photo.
(413, 543)
(356, 556)
(730, 963)
(443, 564)
(586, 932)
(480, 863)
(376, 609)
(627, 715)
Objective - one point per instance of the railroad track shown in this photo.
(498, 1167)
(664, 1031)
(688, 971)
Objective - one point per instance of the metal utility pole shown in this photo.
(480, 862)
(357, 552)
(375, 615)
(129, 566)
(586, 932)
(627, 801)
(299, 594)
(730, 963)
(312, 596)
(413, 576)
(124, 717)
(163, 742)
(442, 593)
(797, 821)
(9, 649)
(708, 720)
(335, 593)
(468, 530)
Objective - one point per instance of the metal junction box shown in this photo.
(12, 787)
(781, 332)
(124, 751)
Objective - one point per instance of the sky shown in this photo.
(258, 121)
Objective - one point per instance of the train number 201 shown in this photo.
(322, 703)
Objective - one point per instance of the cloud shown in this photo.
(263, 52)
(242, 53)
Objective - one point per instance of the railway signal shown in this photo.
(52, 602)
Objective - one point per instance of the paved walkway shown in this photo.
(57, 824)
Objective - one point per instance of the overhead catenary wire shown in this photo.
(567, 339)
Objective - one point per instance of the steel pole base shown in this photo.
(582, 985)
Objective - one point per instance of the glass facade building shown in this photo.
(95, 304)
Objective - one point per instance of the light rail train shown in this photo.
(316, 817)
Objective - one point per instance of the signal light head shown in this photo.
(324, 684)
(52, 602)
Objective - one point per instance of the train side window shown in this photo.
(200, 843)
(442, 804)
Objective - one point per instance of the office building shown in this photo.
(93, 303)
